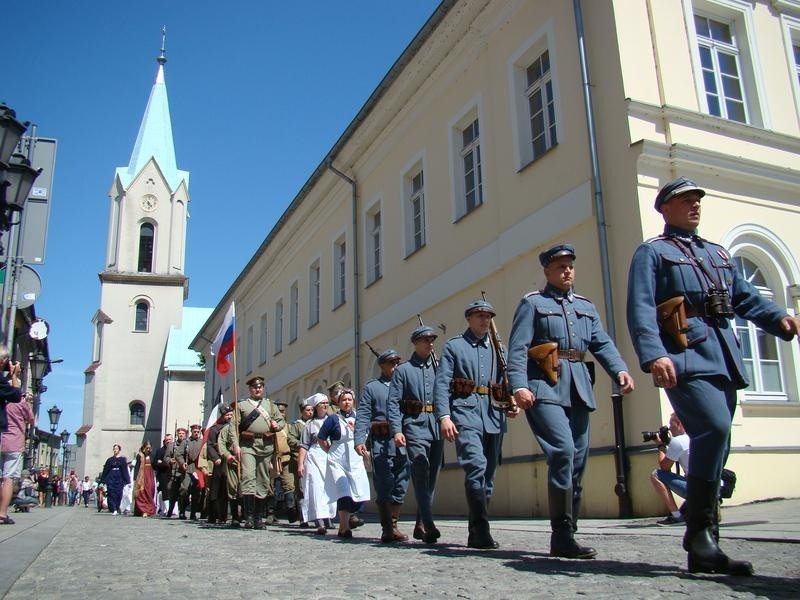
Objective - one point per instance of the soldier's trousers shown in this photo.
(256, 478)
(390, 473)
(478, 453)
(426, 460)
(563, 434)
(705, 407)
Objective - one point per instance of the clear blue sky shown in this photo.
(259, 91)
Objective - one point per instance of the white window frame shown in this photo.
(314, 292)
(472, 112)
(263, 338)
(374, 247)
(339, 270)
(294, 310)
(278, 326)
(415, 210)
(738, 14)
(541, 41)
(249, 351)
(791, 38)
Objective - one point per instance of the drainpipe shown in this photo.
(356, 286)
(620, 454)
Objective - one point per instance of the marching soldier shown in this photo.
(372, 436)
(179, 483)
(230, 453)
(194, 473)
(468, 368)
(259, 421)
(293, 433)
(284, 475)
(217, 487)
(683, 292)
(551, 332)
(333, 396)
(413, 426)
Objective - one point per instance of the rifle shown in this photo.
(506, 400)
(434, 360)
(372, 349)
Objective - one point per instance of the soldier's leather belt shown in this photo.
(694, 312)
(252, 435)
(428, 408)
(571, 355)
(483, 390)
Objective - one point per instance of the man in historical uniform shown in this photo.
(333, 396)
(216, 488)
(683, 292)
(163, 472)
(178, 457)
(413, 426)
(230, 453)
(468, 368)
(259, 420)
(372, 437)
(284, 476)
(195, 471)
(552, 331)
(293, 432)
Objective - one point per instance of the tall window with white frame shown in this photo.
(249, 350)
(761, 351)
(279, 326)
(721, 68)
(541, 105)
(142, 316)
(796, 54)
(147, 235)
(471, 161)
(340, 272)
(294, 309)
(262, 346)
(313, 293)
(414, 192)
(136, 413)
(374, 244)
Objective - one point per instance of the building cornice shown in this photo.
(787, 5)
(143, 278)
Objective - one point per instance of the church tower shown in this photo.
(142, 290)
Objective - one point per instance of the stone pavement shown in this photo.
(77, 553)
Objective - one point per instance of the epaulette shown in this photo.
(581, 297)
(533, 293)
(655, 239)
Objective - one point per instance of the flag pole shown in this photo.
(236, 404)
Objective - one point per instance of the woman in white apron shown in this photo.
(312, 467)
(347, 479)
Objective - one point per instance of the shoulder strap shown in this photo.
(248, 420)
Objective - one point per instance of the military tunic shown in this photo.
(711, 369)
(480, 426)
(414, 380)
(257, 443)
(559, 417)
(390, 472)
(179, 482)
(227, 443)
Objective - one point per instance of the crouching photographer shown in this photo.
(673, 447)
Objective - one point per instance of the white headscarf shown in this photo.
(315, 399)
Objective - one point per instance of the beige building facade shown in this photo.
(473, 155)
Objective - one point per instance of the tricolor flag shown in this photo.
(225, 341)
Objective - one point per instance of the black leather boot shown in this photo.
(480, 536)
(394, 513)
(705, 555)
(291, 507)
(247, 511)
(258, 511)
(386, 521)
(562, 540)
(234, 514)
(269, 513)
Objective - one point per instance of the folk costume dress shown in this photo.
(145, 488)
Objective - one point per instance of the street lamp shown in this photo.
(64, 440)
(54, 414)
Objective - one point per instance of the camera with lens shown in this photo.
(662, 436)
(718, 304)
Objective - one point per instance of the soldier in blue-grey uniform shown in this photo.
(683, 292)
(413, 426)
(468, 367)
(552, 331)
(372, 437)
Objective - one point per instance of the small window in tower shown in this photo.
(142, 316)
(137, 413)
(146, 237)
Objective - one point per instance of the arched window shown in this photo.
(762, 355)
(146, 238)
(142, 319)
(137, 413)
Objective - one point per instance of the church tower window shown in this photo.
(142, 320)
(137, 413)
(146, 237)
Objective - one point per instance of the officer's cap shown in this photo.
(336, 384)
(195, 426)
(281, 403)
(388, 356)
(479, 306)
(422, 331)
(555, 252)
(674, 188)
(224, 409)
(254, 380)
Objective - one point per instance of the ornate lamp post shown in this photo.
(64, 439)
(54, 414)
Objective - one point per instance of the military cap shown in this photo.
(336, 384)
(254, 380)
(555, 252)
(195, 426)
(183, 429)
(479, 306)
(388, 356)
(224, 409)
(675, 187)
(422, 331)
(281, 402)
